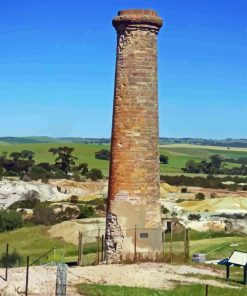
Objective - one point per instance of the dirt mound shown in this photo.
(166, 188)
(69, 230)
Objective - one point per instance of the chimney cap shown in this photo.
(138, 17)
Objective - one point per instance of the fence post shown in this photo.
(61, 282)
(163, 241)
(186, 245)
(135, 245)
(98, 248)
(80, 248)
(7, 262)
(102, 247)
(171, 244)
(206, 290)
(27, 276)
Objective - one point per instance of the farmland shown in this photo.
(178, 154)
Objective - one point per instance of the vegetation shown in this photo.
(189, 290)
(184, 190)
(103, 154)
(94, 174)
(14, 259)
(200, 196)
(29, 200)
(208, 182)
(164, 159)
(86, 211)
(178, 154)
(10, 220)
(194, 217)
(34, 241)
(23, 165)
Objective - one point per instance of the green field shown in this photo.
(178, 154)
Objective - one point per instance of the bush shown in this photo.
(29, 200)
(99, 203)
(200, 196)
(213, 195)
(103, 154)
(94, 174)
(194, 217)
(164, 210)
(10, 220)
(44, 215)
(73, 199)
(184, 190)
(86, 211)
(39, 172)
(14, 259)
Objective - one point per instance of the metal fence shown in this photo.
(174, 236)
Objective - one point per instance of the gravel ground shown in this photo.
(42, 279)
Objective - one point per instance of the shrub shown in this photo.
(44, 215)
(213, 195)
(73, 199)
(103, 154)
(10, 220)
(29, 200)
(39, 172)
(86, 211)
(200, 196)
(233, 187)
(99, 203)
(14, 259)
(94, 174)
(194, 217)
(164, 210)
(184, 190)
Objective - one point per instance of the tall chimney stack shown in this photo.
(133, 222)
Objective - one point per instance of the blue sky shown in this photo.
(57, 62)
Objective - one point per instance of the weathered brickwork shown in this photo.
(134, 192)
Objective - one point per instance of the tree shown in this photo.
(164, 159)
(64, 159)
(192, 167)
(215, 164)
(27, 154)
(103, 154)
(16, 156)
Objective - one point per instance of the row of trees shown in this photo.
(23, 164)
(209, 182)
(105, 154)
(215, 166)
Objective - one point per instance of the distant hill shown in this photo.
(44, 139)
(241, 143)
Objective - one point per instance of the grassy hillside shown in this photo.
(178, 154)
(35, 241)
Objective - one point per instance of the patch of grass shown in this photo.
(217, 248)
(35, 241)
(191, 290)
